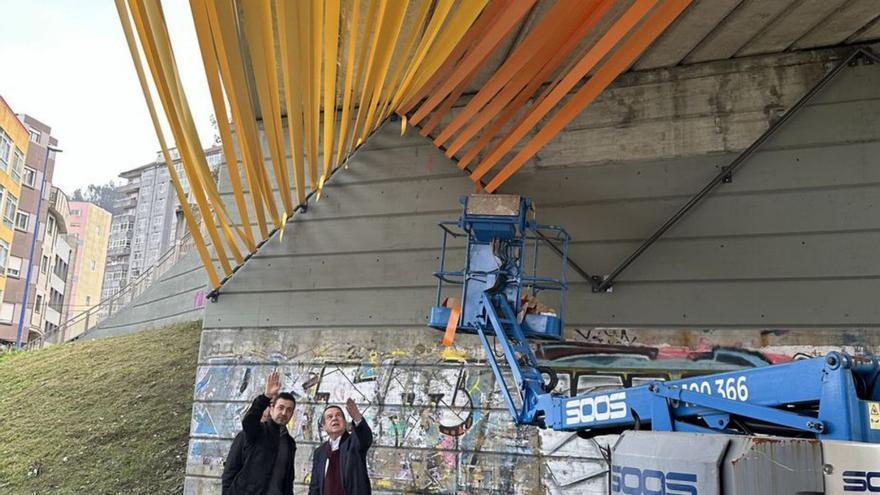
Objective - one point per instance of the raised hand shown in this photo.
(273, 385)
(353, 410)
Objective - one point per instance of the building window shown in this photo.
(56, 299)
(4, 254)
(35, 136)
(22, 220)
(9, 210)
(13, 269)
(38, 304)
(75, 213)
(60, 268)
(17, 165)
(94, 265)
(5, 149)
(30, 177)
(44, 264)
(7, 310)
(50, 227)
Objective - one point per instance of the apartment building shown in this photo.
(15, 145)
(147, 223)
(89, 229)
(21, 211)
(52, 303)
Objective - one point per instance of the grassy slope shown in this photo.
(105, 417)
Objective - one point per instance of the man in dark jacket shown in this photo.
(339, 465)
(260, 461)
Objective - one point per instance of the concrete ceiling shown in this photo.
(710, 30)
(722, 29)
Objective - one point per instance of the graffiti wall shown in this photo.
(439, 419)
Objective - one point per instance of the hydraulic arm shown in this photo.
(835, 397)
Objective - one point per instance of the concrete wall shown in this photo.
(178, 295)
(780, 262)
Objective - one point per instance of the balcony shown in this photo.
(127, 203)
(119, 251)
(131, 186)
(58, 200)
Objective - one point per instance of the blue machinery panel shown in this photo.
(829, 397)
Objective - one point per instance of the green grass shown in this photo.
(105, 417)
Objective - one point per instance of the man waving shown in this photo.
(260, 461)
(339, 465)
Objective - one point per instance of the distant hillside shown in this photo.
(109, 416)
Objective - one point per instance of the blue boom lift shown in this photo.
(835, 397)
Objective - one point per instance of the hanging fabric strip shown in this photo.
(191, 222)
(331, 48)
(400, 63)
(489, 40)
(612, 37)
(316, 61)
(304, 71)
(347, 96)
(513, 98)
(257, 20)
(159, 67)
(558, 22)
(155, 40)
(369, 73)
(619, 61)
(226, 16)
(457, 37)
(291, 59)
(447, 104)
(441, 11)
(212, 72)
(385, 47)
(222, 22)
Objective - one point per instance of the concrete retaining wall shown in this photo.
(777, 264)
(178, 295)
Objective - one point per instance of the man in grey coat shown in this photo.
(339, 465)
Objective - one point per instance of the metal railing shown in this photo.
(75, 326)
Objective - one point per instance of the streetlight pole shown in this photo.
(27, 279)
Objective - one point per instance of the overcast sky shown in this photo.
(66, 63)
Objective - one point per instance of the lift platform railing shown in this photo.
(502, 249)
